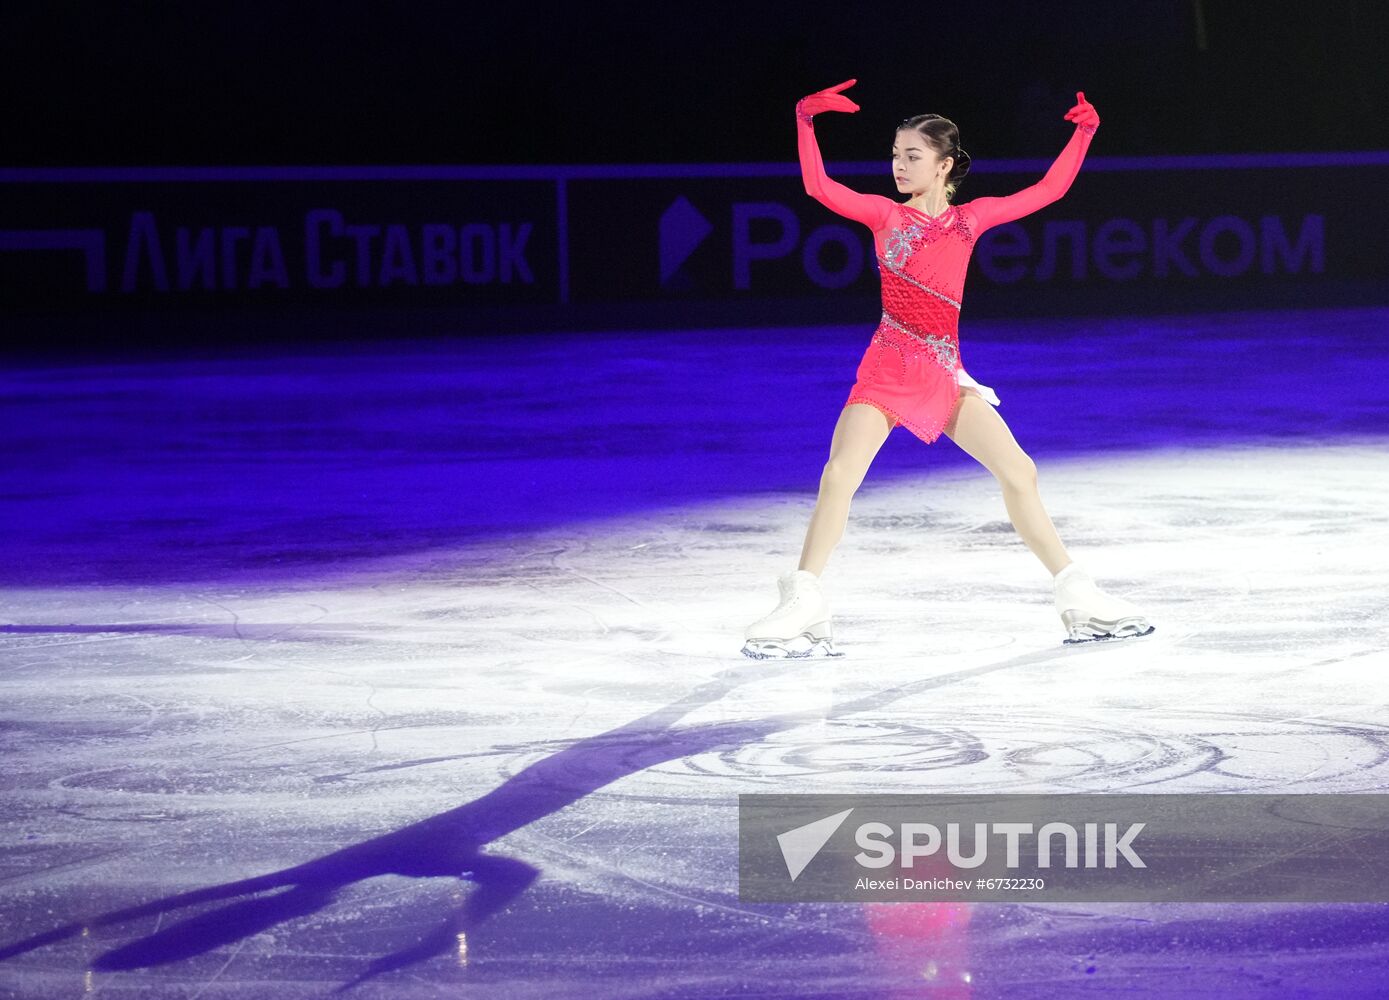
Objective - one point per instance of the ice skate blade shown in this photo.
(803, 647)
(1107, 631)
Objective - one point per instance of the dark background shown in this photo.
(435, 82)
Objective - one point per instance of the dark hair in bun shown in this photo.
(944, 137)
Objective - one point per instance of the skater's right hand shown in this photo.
(829, 99)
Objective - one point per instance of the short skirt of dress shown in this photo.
(910, 384)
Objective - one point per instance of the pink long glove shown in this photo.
(1084, 114)
(829, 99)
(990, 212)
(870, 209)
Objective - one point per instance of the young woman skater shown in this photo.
(911, 372)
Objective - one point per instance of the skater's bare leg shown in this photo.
(858, 434)
(978, 429)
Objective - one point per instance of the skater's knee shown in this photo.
(839, 478)
(1019, 473)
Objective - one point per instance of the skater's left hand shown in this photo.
(1084, 112)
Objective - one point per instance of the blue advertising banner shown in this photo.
(1215, 233)
(132, 239)
(667, 245)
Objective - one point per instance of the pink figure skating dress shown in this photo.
(911, 370)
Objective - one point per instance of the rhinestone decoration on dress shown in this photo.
(945, 350)
(951, 220)
(900, 244)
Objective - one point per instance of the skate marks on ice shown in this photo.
(445, 846)
(498, 665)
(449, 845)
(966, 749)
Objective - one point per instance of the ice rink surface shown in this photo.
(410, 669)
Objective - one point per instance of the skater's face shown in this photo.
(916, 167)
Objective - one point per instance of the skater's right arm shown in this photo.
(871, 210)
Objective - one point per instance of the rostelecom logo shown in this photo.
(799, 846)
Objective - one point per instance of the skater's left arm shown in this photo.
(1057, 181)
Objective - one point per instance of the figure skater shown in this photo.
(911, 374)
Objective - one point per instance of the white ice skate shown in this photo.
(800, 625)
(1090, 614)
